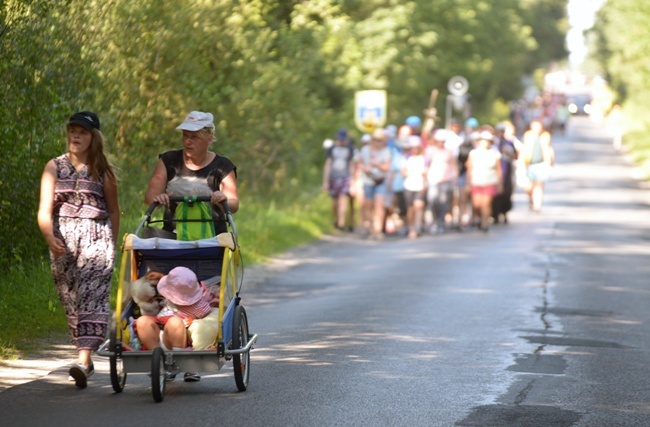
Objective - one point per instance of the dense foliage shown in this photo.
(620, 45)
(623, 43)
(279, 77)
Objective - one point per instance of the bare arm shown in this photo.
(497, 166)
(228, 192)
(326, 173)
(468, 166)
(454, 165)
(548, 152)
(112, 205)
(385, 165)
(45, 207)
(157, 185)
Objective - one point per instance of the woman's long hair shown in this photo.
(98, 164)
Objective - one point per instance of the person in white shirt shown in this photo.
(484, 177)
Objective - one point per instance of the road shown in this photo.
(541, 322)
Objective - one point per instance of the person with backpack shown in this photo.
(192, 168)
(195, 166)
(538, 158)
(337, 177)
(374, 163)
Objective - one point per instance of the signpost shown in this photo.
(457, 98)
(369, 110)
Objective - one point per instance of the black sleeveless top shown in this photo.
(214, 173)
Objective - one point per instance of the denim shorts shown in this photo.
(372, 190)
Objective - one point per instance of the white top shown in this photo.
(415, 169)
(484, 170)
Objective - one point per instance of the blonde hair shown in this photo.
(207, 132)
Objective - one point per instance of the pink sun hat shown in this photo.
(180, 286)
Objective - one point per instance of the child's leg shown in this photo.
(175, 333)
(148, 331)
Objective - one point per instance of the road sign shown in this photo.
(370, 110)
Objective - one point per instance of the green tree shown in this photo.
(623, 42)
(278, 76)
(43, 74)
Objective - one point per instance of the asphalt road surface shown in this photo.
(541, 322)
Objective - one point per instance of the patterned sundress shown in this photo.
(83, 275)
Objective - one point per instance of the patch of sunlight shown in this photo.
(472, 291)
(531, 284)
(386, 375)
(303, 360)
(623, 289)
(429, 255)
(406, 338)
(426, 355)
(628, 408)
(588, 248)
(626, 322)
(336, 325)
(568, 353)
(357, 359)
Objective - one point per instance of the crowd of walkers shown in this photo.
(417, 179)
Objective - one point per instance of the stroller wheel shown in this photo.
(158, 374)
(240, 362)
(118, 376)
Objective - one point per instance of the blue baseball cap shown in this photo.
(471, 123)
(413, 121)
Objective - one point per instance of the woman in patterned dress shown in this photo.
(79, 218)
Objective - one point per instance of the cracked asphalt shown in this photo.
(541, 322)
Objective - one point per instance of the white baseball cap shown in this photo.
(197, 120)
(414, 141)
(486, 135)
(440, 135)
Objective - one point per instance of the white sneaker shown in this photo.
(80, 375)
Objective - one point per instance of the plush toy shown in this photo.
(145, 295)
(193, 221)
(204, 331)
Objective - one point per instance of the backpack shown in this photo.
(194, 220)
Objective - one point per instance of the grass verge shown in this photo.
(638, 145)
(30, 309)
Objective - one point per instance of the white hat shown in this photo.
(440, 135)
(197, 120)
(366, 138)
(328, 143)
(391, 131)
(486, 135)
(379, 134)
(414, 141)
(180, 286)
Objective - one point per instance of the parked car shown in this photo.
(580, 104)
